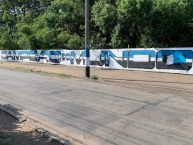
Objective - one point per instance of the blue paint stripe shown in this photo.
(187, 53)
(142, 52)
(55, 52)
(73, 54)
(68, 54)
(102, 53)
(178, 58)
(27, 52)
(110, 54)
(125, 53)
(83, 54)
(4, 52)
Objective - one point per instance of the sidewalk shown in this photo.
(176, 84)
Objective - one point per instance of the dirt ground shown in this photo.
(13, 132)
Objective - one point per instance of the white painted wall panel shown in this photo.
(170, 60)
(188, 60)
(141, 58)
(115, 61)
(159, 59)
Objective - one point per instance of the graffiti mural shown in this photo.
(26, 55)
(174, 59)
(55, 56)
(4, 55)
(97, 58)
(158, 60)
(106, 58)
(42, 56)
(142, 59)
(78, 59)
(10, 56)
(13, 55)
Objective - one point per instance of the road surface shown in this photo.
(99, 114)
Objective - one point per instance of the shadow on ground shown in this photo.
(13, 132)
(11, 108)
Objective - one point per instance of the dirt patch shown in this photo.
(13, 132)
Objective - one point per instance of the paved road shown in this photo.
(181, 84)
(99, 114)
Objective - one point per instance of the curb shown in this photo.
(17, 116)
(35, 127)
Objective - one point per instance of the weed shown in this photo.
(94, 77)
(3, 136)
(19, 68)
(52, 139)
(61, 74)
(24, 68)
(30, 69)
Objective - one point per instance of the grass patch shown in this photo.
(2, 136)
(52, 139)
(61, 74)
(19, 68)
(32, 70)
(94, 77)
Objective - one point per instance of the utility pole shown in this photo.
(87, 61)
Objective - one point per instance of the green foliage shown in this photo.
(170, 25)
(2, 136)
(52, 139)
(7, 42)
(60, 24)
(104, 17)
(94, 77)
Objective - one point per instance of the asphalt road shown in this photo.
(99, 114)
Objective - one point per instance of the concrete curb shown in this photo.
(39, 129)
(35, 127)
(59, 139)
(17, 116)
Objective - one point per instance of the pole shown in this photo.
(87, 68)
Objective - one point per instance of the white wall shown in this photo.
(156, 60)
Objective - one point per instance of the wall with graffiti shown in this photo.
(171, 60)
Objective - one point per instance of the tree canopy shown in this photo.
(60, 24)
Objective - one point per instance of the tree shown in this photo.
(60, 24)
(170, 25)
(104, 17)
(14, 12)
